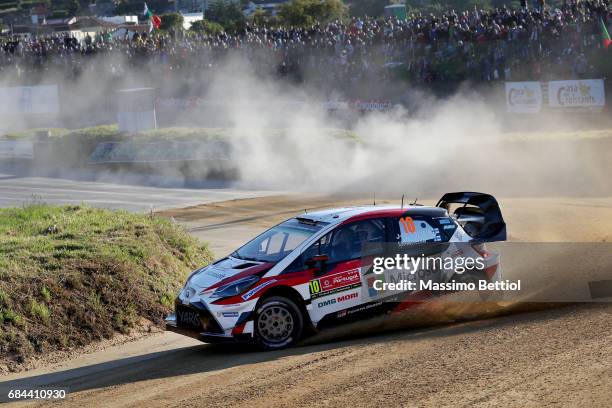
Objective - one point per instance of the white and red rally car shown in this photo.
(316, 270)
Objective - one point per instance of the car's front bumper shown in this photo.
(171, 325)
(202, 324)
(206, 337)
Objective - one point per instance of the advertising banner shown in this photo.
(523, 97)
(136, 109)
(25, 100)
(587, 93)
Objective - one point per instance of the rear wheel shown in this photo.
(278, 323)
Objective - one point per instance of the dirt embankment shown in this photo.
(70, 276)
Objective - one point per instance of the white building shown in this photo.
(120, 19)
(190, 18)
(269, 6)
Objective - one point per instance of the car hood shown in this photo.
(227, 269)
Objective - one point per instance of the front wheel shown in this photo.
(278, 323)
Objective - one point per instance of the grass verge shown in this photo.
(111, 133)
(73, 275)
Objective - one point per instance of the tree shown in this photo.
(206, 27)
(171, 22)
(73, 7)
(260, 17)
(307, 12)
(227, 13)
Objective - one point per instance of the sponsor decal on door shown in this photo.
(338, 299)
(335, 283)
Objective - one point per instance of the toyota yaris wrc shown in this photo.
(316, 270)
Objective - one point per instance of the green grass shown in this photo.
(557, 135)
(111, 133)
(72, 275)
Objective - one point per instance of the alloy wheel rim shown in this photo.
(275, 324)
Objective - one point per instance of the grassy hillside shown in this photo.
(73, 275)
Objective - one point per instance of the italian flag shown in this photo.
(606, 36)
(154, 21)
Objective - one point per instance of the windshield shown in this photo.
(277, 242)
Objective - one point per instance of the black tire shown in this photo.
(278, 323)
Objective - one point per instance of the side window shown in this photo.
(417, 229)
(372, 235)
(352, 241)
(295, 266)
(317, 248)
(447, 227)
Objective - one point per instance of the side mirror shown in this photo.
(320, 258)
(317, 263)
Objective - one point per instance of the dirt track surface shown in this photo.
(18, 190)
(553, 357)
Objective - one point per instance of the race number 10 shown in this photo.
(408, 224)
(315, 287)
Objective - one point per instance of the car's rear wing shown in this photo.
(478, 213)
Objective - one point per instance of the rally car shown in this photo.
(315, 270)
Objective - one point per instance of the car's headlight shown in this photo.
(235, 288)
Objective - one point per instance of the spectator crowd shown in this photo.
(477, 45)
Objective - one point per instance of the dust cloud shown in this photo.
(283, 136)
(458, 143)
